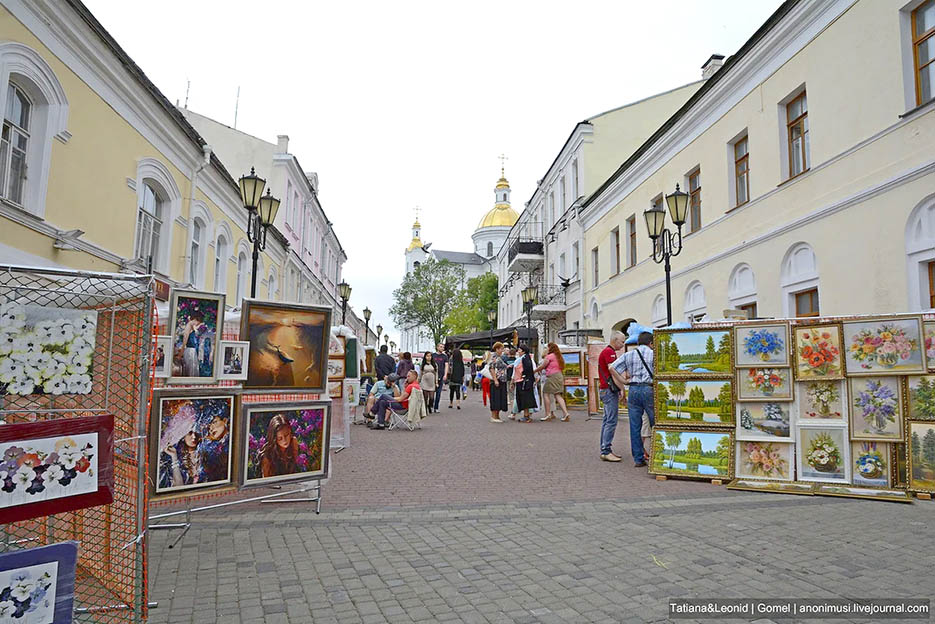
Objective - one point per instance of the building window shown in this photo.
(615, 251)
(631, 241)
(194, 260)
(289, 218)
(489, 249)
(749, 308)
(694, 201)
(561, 266)
(551, 208)
(574, 259)
(797, 132)
(272, 287)
(220, 264)
(923, 50)
(931, 268)
(564, 195)
(14, 145)
(149, 218)
(594, 258)
(806, 303)
(741, 172)
(574, 180)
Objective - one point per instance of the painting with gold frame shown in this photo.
(817, 352)
(871, 463)
(920, 397)
(900, 463)
(849, 491)
(928, 344)
(761, 345)
(693, 353)
(890, 345)
(692, 453)
(764, 384)
(875, 408)
(921, 455)
(695, 402)
(777, 487)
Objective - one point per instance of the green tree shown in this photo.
(693, 448)
(928, 448)
(469, 312)
(678, 391)
(916, 448)
(673, 439)
(724, 398)
(696, 397)
(658, 446)
(427, 296)
(662, 343)
(709, 348)
(662, 400)
(724, 450)
(673, 359)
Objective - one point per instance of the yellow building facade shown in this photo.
(810, 162)
(114, 179)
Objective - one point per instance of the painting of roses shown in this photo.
(818, 353)
(884, 347)
(765, 460)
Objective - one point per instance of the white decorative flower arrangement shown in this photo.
(39, 354)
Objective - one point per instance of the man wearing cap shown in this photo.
(383, 387)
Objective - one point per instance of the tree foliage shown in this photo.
(427, 296)
(469, 313)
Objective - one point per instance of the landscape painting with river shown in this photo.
(693, 353)
(695, 454)
(698, 402)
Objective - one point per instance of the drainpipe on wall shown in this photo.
(206, 160)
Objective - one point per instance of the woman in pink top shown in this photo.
(554, 386)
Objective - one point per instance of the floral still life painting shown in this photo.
(765, 460)
(46, 350)
(921, 456)
(762, 345)
(818, 353)
(821, 400)
(689, 453)
(286, 443)
(37, 585)
(764, 421)
(884, 347)
(928, 334)
(875, 408)
(870, 463)
(922, 397)
(764, 384)
(697, 402)
(822, 454)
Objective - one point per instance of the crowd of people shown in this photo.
(512, 383)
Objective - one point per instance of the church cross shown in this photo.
(503, 159)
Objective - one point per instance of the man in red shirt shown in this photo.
(399, 402)
(610, 394)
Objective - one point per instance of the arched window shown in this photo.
(659, 312)
(489, 249)
(195, 261)
(220, 264)
(696, 308)
(920, 255)
(242, 271)
(14, 144)
(158, 203)
(149, 226)
(799, 282)
(741, 290)
(272, 287)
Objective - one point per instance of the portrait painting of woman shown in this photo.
(286, 442)
(197, 321)
(193, 444)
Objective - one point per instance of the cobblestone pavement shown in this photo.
(511, 537)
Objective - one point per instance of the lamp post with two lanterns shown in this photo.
(261, 211)
(530, 294)
(666, 243)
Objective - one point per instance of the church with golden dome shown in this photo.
(492, 231)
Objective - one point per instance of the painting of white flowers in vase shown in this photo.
(46, 350)
(823, 454)
(822, 400)
(870, 463)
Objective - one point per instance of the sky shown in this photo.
(409, 104)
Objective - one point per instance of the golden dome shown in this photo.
(502, 183)
(415, 244)
(500, 215)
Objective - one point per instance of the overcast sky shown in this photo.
(405, 104)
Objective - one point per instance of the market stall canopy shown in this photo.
(484, 339)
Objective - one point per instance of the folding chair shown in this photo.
(399, 419)
(411, 418)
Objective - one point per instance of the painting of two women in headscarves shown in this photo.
(288, 345)
(194, 442)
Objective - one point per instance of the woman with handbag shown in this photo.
(554, 387)
(499, 379)
(525, 378)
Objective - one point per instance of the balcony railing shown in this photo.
(551, 295)
(525, 239)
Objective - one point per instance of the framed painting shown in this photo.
(191, 448)
(764, 384)
(53, 466)
(337, 345)
(870, 463)
(928, 341)
(336, 368)
(885, 346)
(697, 402)
(576, 397)
(234, 355)
(37, 585)
(286, 442)
(574, 367)
(46, 350)
(823, 454)
(369, 359)
(818, 401)
(764, 421)
(818, 352)
(765, 460)
(196, 320)
(875, 408)
(596, 391)
(882, 494)
(761, 345)
(900, 463)
(685, 452)
(288, 345)
(693, 352)
(920, 397)
(921, 456)
(163, 356)
(334, 390)
(777, 487)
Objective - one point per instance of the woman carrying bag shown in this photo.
(525, 377)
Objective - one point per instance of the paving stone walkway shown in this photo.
(511, 535)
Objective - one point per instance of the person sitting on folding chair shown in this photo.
(384, 387)
(397, 403)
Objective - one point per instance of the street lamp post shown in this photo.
(392, 346)
(379, 331)
(530, 294)
(666, 243)
(261, 212)
(386, 339)
(491, 316)
(345, 290)
(367, 314)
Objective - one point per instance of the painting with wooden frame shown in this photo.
(695, 402)
(920, 455)
(285, 442)
(849, 491)
(693, 353)
(875, 408)
(761, 345)
(817, 351)
(764, 384)
(288, 345)
(575, 365)
(928, 339)
(692, 453)
(891, 345)
(196, 321)
(777, 487)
